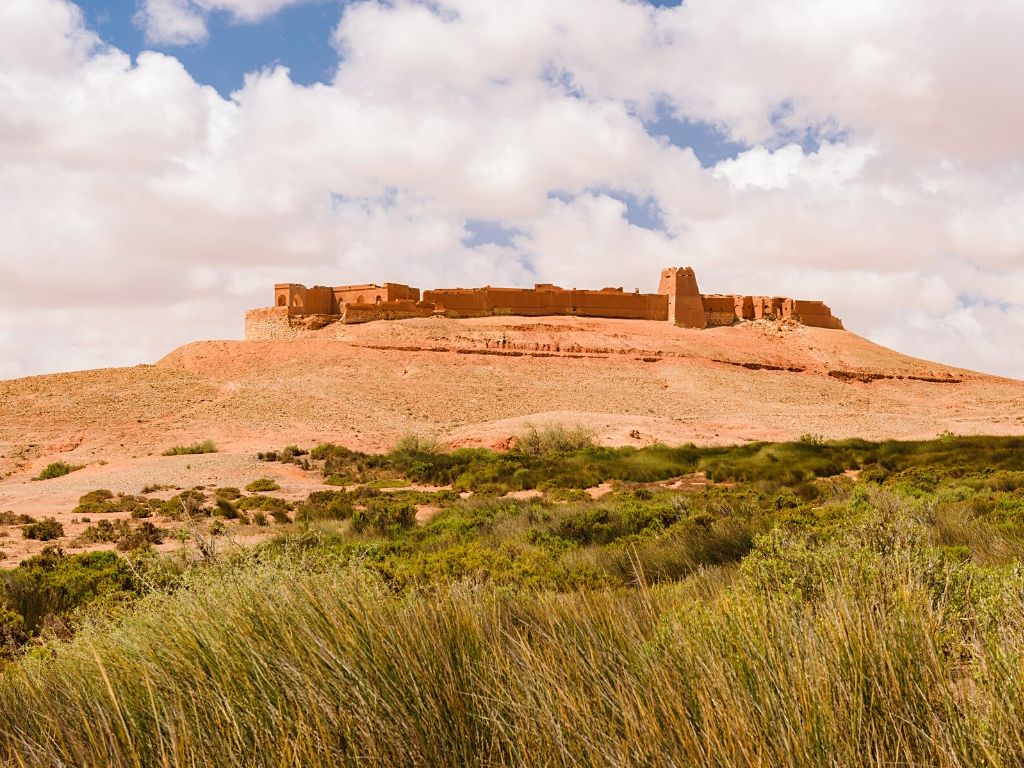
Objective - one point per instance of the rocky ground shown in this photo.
(466, 382)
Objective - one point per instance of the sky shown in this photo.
(164, 162)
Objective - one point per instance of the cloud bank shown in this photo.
(478, 141)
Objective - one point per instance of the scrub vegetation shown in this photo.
(802, 604)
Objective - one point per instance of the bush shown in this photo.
(553, 439)
(227, 510)
(262, 484)
(190, 504)
(58, 469)
(9, 518)
(414, 443)
(144, 535)
(206, 446)
(384, 515)
(103, 501)
(121, 533)
(154, 487)
(12, 633)
(49, 586)
(289, 455)
(266, 503)
(46, 529)
(104, 531)
(280, 516)
(325, 505)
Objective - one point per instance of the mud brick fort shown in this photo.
(678, 301)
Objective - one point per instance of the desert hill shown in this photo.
(467, 382)
(476, 381)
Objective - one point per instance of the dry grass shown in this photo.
(299, 663)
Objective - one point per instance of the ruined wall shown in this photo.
(272, 324)
(813, 313)
(678, 301)
(722, 310)
(743, 307)
(401, 309)
(546, 299)
(719, 310)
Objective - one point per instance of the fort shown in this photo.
(678, 301)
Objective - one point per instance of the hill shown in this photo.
(476, 381)
(469, 382)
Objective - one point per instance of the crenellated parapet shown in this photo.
(678, 301)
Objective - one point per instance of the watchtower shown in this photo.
(685, 306)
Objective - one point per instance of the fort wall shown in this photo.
(321, 300)
(298, 309)
(546, 299)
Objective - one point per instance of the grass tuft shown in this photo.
(204, 446)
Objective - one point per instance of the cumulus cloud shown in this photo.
(882, 169)
(181, 22)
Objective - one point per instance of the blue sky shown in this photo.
(298, 37)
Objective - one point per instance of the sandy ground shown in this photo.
(468, 382)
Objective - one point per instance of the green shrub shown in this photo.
(384, 515)
(325, 505)
(103, 501)
(9, 518)
(12, 633)
(262, 484)
(228, 493)
(227, 510)
(140, 537)
(154, 487)
(190, 504)
(205, 446)
(104, 531)
(58, 469)
(91, 498)
(52, 584)
(46, 529)
(553, 439)
(415, 443)
(289, 455)
(280, 516)
(266, 503)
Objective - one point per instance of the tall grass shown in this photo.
(780, 621)
(299, 665)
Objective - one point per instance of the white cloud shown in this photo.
(181, 22)
(130, 185)
(172, 22)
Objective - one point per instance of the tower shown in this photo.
(685, 307)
